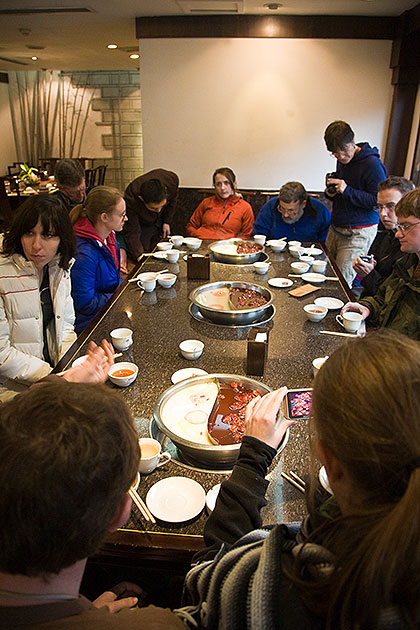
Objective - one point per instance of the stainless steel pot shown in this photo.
(237, 259)
(206, 454)
(239, 317)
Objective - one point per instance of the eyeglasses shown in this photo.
(407, 226)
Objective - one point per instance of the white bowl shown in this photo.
(261, 267)
(318, 363)
(296, 251)
(294, 244)
(193, 243)
(307, 259)
(314, 312)
(80, 360)
(299, 267)
(166, 280)
(191, 349)
(319, 266)
(277, 246)
(121, 338)
(123, 381)
(163, 246)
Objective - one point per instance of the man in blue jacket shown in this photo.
(294, 215)
(353, 189)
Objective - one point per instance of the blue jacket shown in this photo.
(312, 226)
(355, 207)
(94, 278)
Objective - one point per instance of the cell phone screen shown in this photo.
(299, 403)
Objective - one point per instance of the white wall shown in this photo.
(259, 106)
(8, 149)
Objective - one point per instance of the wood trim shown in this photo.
(399, 129)
(270, 26)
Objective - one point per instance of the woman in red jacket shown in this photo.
(225, 214)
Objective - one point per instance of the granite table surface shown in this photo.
(161, 320)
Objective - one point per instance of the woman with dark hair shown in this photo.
(36, 308)
(225, 214)
(96, 272)
(356, 563)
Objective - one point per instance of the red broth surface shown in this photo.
(123, 373)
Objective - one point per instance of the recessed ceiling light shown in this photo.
(112, 46)
(34, 58)
(134, 56)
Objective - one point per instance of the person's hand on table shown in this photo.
(340, 184)
(115, 600)
(355, 307)
(123, 261)
(166, 230)
(261, 418)
(95, 368)
(362, 267)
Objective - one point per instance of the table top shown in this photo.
(160, 321)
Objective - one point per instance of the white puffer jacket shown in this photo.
(21, 333)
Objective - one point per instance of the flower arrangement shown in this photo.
(28, 175)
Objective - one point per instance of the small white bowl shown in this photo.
(193, 243)
(277, 245)
(80, 360)
(307, 259)
(318, 363)
(314, 312)
(297, 251)
(261, 267)
(299, 267)
(294, 244)
(123, 381)
(163, 246)
(319, 266)
(166, 280)
(191, 349)
(121, 338)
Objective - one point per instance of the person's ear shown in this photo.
(304, 204)
(121, 515)
(104, 217)
(328, 459)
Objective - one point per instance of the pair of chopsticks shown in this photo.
(341, 334)
(294, 480)
(299, 275)
(142, 507)
(114, 356)
(156, 273)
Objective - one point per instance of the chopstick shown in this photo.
(340, 334)
(156, 273)
(299, 275)
(140, 504)
(297, 478)
(114, 356)
(293, 482)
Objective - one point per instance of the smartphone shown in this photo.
(298, 403)
(366, 258)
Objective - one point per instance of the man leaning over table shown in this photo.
(68, 456)
(151, 203)
(294, 215)
(352, 189)
(396, 304)
(69, 176)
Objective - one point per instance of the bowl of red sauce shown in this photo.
(123, 373)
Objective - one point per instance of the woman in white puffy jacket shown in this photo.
(36, 308)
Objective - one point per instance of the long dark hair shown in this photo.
(53, 217)
(366, 410)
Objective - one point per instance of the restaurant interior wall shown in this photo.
(8, 148)
(259, 105)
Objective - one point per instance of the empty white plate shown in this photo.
(211, 497)
(176, 499)
(317, 278)
(280, 283)
(182, 375)
(323, 479)
(330, 303)
(315, 251)
(194, 255)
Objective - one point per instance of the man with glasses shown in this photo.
(396, 304)
(385, 249)
(69, 176)
(294, 215)
(352, 189)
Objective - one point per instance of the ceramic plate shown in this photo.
(323, 479)
(280, 283)
(136, 482)
(315, 251)
(330, 303)
(182, 375)
(160, 255)
(211, 497)
(316, 278)
(176, 499)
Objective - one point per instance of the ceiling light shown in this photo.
(135, 56)
(273, 6)
(112, 46)
(34, 58)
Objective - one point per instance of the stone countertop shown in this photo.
(160, 321)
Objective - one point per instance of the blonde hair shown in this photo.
(99, 199)
(366, 410)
